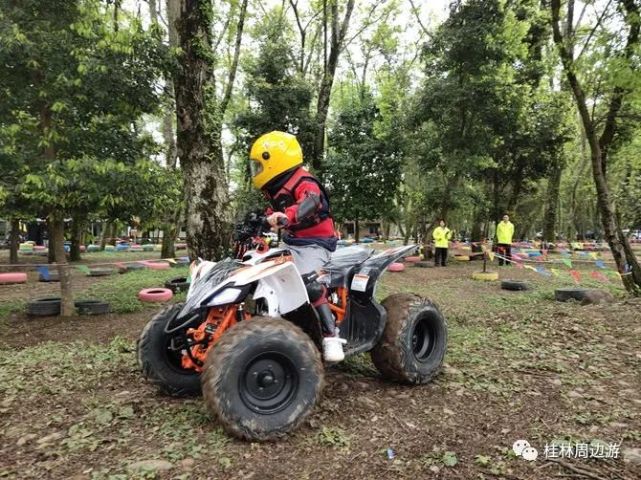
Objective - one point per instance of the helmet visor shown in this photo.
(255, 167)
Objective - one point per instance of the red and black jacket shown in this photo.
(300, 196)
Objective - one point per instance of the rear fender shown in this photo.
(363, 283)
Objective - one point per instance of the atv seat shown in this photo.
(342, 263)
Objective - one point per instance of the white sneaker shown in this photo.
(333, 349)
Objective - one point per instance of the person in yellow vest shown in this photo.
(442, 236)
(504, 234)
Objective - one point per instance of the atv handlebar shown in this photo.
(254, 225)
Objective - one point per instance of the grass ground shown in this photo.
(519, 366)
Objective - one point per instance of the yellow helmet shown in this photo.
(272, 154)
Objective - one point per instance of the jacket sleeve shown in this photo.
(436, 235)
(449, 234)
(307, 196)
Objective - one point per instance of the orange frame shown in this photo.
(219, 320)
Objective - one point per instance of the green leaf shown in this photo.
(449, 459)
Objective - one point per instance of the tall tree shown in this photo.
(620, 79)
(363, 165)
(276, 97)
(200, 114)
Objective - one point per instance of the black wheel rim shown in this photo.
(423, 339)
(269, 383)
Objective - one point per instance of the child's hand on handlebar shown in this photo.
(277, 219)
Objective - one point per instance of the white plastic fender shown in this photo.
(282, 288)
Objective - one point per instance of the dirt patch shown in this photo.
(23, 331)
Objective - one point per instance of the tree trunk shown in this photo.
(77, 227)
(14, 240)
(170, 232)
(408, 232)
(357, 231)
(198, 140)
(168, 249)
(327, 81)
(107, 233)
(51, 252)
(57, 232)
(551, 208)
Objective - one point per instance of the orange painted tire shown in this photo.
(396, 267)
(13, 277)
(413, 259)
(155, 294)
(157, 265)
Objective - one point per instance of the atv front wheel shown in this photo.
(414, 341)
(262, 378)
(161, 365)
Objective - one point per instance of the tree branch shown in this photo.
(417, 14)
(222, 34)
(234, 64)
(596, 25)
(368, 23)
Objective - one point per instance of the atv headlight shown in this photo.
(228, 295)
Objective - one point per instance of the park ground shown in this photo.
(519, 366)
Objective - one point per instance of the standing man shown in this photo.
(442, 236)
(299, 204)
(504, 234)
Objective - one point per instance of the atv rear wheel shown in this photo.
(262, 378)
(414, 341)
(160, 365)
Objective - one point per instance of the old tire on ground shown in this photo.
(414, 341)
(571, 293)
(100, 272)
(178, 284)
(412, 259)
(157, 265)
(262, 378)
(155, 295)
(13, 277)
(44, 307)
(396, 267)
(92, 307)
(182, 261)
(52, 277)
(135, 266)
(160, 365)
(423, 264)
(514, 285)
(485, 276)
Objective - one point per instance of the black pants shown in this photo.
(505, 250)
(440, 256)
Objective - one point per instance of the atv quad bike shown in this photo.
(249, 339)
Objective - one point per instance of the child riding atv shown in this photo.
(300, 204)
